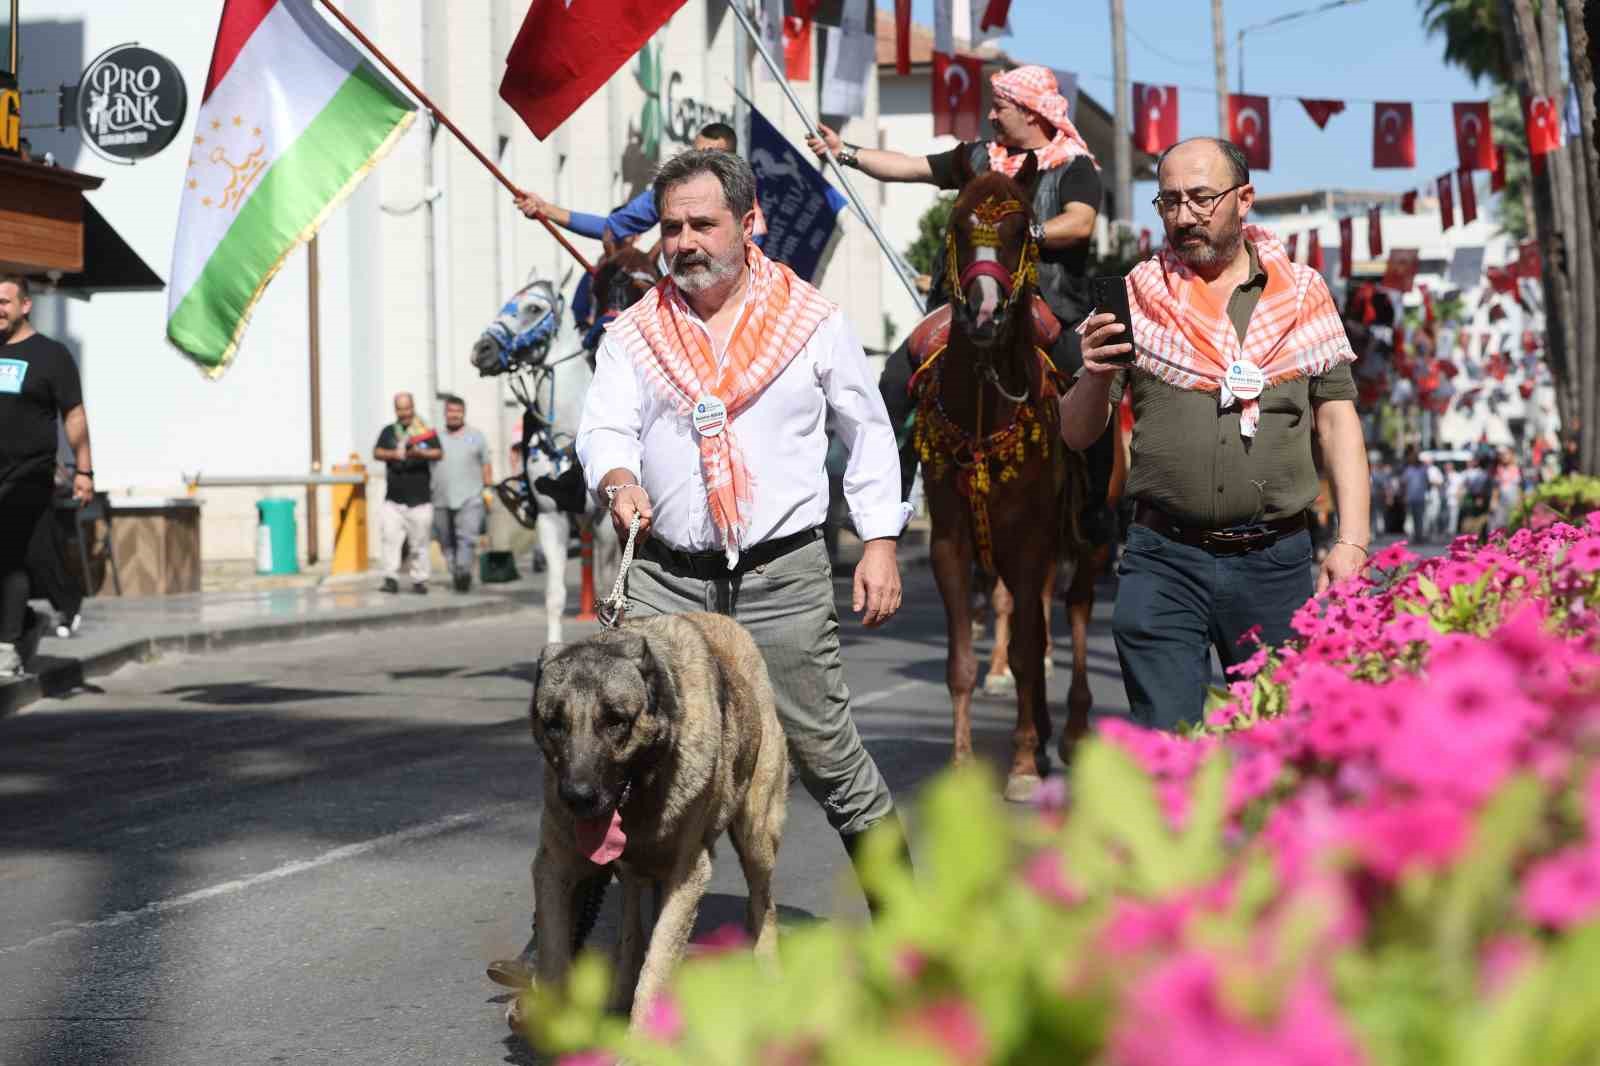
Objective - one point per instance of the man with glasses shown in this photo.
(1241, 383)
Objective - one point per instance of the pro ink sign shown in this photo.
(131, 103)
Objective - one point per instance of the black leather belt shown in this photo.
(709, 566)
(1235, 540)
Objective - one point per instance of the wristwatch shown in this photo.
(848, 156)
(1036, 231)
(612, 490)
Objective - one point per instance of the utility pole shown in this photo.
(1219, 48)
(1123, 141)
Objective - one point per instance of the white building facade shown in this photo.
(412, 267)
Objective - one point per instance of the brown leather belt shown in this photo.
(1235, 540)
(709, 566)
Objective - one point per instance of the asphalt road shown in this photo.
(307, 852)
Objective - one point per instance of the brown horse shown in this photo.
(998, 480)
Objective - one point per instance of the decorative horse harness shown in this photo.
(1032, 424)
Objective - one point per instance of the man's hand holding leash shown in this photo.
(626, 498)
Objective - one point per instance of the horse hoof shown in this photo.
(1049, 667)
(1022, 788)
(1001, 684)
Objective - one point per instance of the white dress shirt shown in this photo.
(627, 424)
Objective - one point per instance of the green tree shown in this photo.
(926, 251)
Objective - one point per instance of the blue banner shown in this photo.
(801, 208)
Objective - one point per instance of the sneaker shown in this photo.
(68, 627)
(420, 588)
(390, 585)
(10, 662)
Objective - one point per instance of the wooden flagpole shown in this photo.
(444, 120)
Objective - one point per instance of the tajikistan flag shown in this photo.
(292, 119)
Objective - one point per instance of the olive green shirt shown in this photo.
(1189, 458)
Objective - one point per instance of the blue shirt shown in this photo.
(632, 218)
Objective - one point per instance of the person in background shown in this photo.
(40, 394)
(409, 449)
(1455, 490)
(1414, 488)
(460, 482)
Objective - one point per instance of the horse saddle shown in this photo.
(933, 332)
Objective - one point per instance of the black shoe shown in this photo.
(463, 582)
(390, 585)
(852, 845)
(420, 588)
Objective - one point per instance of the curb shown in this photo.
(55, 675)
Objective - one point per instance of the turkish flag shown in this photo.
(1321, 110)
(1155, 117)
(1543, 116)
(1393, 141)
(1529, 262)
(1249, 127)
(1408, 202)
(1474, 135)
(1347, 240)
(567, 49)
(957, 95)
(1401, 272)
(1447, 207)
(1469, 196)
(1375, 233)
(902, 37)
(1314, 251)
(1292, 245)
(995, 13)
(797, 45)
(1497, 173)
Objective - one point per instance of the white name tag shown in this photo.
(710, 416)
(1245, 380)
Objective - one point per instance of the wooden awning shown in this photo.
(42, 217)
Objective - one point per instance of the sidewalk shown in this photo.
(238, 607)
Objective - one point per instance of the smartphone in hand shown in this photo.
(1110, 294)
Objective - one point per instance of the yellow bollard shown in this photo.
(350, 520)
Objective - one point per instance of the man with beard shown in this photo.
(38, 384)
(1241, 373)
(707, 419)
(1029, 117)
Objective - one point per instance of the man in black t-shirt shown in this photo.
(409, 448)
(38, 383)
(1029, 117)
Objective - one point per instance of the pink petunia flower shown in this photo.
(1397, 836)
(1564, 890)
(663, 1020)
(1394, 556)
(1046, 874)
(954, 1027)
(1584, 556)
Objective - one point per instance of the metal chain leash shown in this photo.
(612, 608)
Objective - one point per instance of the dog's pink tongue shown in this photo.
(601, 839)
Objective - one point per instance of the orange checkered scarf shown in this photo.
(781, 312)
(1035, 88)
(1182, 334)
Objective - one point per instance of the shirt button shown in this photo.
(1219, 490)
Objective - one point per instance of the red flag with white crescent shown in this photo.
(1497, 173)
(797, 43)
(1474, 135)
(1155, 117)
(1469, 196)
(1347, 240)
(995, 14)
(1543, 116)
(1374, 233)
(1393, 140)
(1321, 110)
(957, 95)
(1249, 128)
(1447, 210)
(567, 49)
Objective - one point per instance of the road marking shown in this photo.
(884, 693)
(437, 827)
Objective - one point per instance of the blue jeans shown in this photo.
(1175, 603)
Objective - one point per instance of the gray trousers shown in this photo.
(787, 605)
(457, 531)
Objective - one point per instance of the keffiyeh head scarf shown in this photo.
(1035, 89)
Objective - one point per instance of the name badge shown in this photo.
(12, 373)
(1245, 380)
(710, 416)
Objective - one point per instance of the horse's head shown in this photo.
(621, 278)
(521, 333)
(991, 262)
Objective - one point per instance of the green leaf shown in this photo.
(1200, 848)
(1483, 877)
(1116, 802)
(1429, 590)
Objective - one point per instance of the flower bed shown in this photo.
(1383, 847)
(1565, 499)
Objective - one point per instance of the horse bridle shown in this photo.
(986, 234)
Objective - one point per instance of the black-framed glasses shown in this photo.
(1202, 203)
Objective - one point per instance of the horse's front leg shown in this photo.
(1080, 606)
(999, 680)
(1025, 573)
(951, 556)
